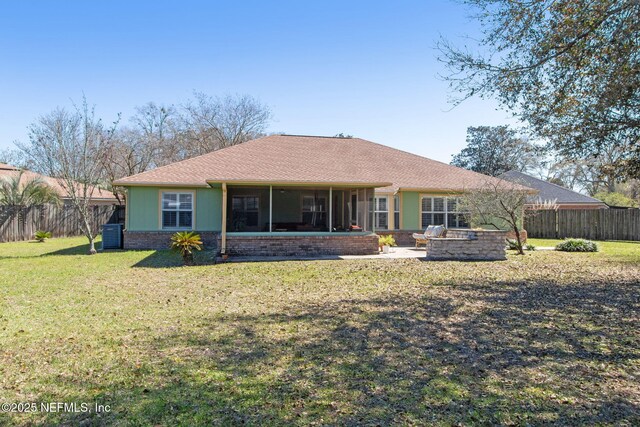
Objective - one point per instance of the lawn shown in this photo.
(544, 338)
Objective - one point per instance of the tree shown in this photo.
(592, 174)
(501, 204)
(496, 150)
(148, 142)
(14, 157)
(71, 146)
(616, 199)
(157, 127)
(211, 123)
(568, 68)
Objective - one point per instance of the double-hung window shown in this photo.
(442, 211)
(381, 212)
(177, 210)
(455, 218)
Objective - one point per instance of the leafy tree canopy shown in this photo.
(616, 199)
(568, 68)
(494, 150)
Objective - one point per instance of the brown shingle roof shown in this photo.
(312, 159)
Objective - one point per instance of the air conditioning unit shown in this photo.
(112, 236)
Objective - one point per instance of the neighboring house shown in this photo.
(98, 196)
(290, 194)
(549, 192)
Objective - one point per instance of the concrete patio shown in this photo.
(398, 252)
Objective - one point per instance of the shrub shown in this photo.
(41, 235)
(186, 242)
(512, 245)
(577, 245)
(386, 240)
(530, 247)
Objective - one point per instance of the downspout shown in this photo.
(223, 245)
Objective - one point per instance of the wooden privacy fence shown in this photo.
(596, 224)
(21, 224)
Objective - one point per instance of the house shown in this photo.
(293, 194)
(98, 196)
(550, 192)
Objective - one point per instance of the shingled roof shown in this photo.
(6, 167)
(549, 191)
(295, 159)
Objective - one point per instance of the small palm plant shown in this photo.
(19, 193)
(25, 193)
(186, 242)
(41, 235)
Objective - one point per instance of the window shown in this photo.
(245, 212)
(455, 218)
(177, 210)
(442, 211)
(396, 212)
(314, 210)
(381, 212)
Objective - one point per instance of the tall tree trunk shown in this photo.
(518, 240)
(92, 246)
(87, 229)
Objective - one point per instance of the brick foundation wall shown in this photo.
(162, 239)
(353, 244)
(461, 244)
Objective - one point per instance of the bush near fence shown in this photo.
(61, 221)
(593, 224)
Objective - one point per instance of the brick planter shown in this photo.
(282, 245)
(162, 239)
(462, 244)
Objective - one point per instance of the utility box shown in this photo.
(112, 236)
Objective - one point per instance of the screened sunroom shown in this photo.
(288, 209)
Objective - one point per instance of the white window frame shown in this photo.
(377, 211)
(444, 212)
(177, 209)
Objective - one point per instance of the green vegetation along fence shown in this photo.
(21, 224)
(596, 224)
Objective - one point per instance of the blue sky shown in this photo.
(364, 68)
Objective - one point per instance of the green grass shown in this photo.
(547, 337)
(628, 252)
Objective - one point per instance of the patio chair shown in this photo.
(431, 232)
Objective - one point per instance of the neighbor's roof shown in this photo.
(11, 171)
(282, 159)
(6, 167)
(549, 191)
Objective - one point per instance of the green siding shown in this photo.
(209, 209)
(143, 209)
(410, 210)
(142, 205)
